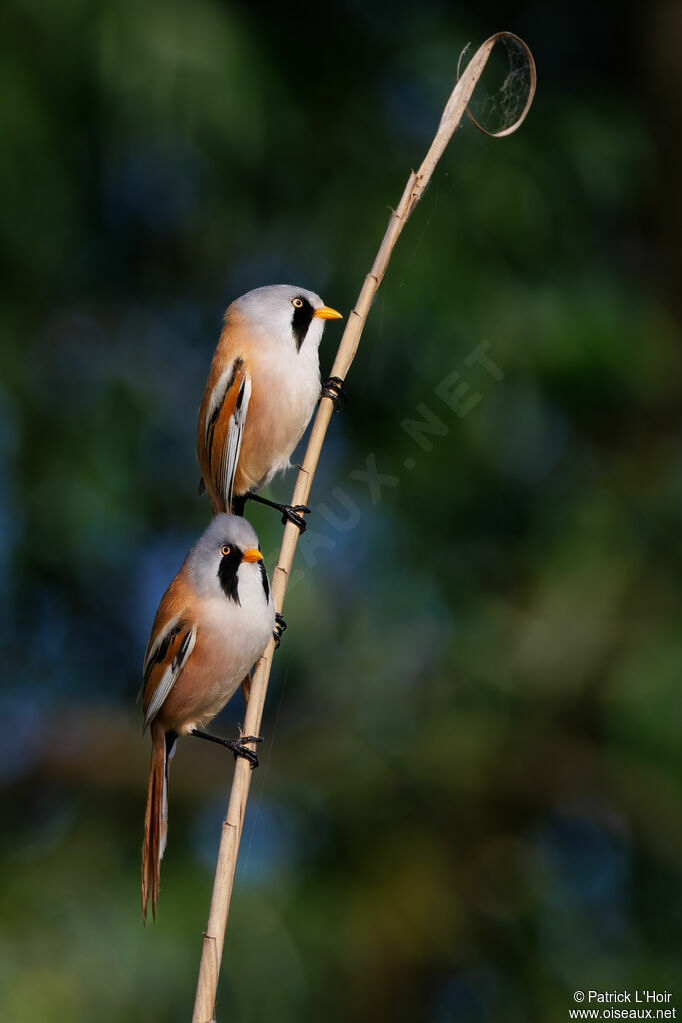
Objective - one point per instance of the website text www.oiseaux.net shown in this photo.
(640, 1004)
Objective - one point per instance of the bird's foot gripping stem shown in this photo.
(237, 746)
(333, 388)
(294, 513)
(290, 512)
(279, 629)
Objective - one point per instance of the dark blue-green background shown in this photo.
(469, 803)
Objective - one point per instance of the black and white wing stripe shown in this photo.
(234, 439)
(165, 660)
(225, 417)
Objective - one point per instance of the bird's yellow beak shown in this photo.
(252, 554)
(326, 313)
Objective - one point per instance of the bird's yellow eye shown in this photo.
(225, 550)
(298, 302)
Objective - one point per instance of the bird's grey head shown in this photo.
(286, 313)
(223, 552)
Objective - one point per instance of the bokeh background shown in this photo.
(469, 803)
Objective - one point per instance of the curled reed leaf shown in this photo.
(514, 98)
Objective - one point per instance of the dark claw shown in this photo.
(236, 745)
(332, 388)
(280, 627)
(294, 513)
(290, 513)
(239, 749)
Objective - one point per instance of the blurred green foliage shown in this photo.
(470, 802)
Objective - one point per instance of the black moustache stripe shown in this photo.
(227, 574)
(301, 320)
(264, 580)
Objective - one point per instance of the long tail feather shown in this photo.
(156, 817)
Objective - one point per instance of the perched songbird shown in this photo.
(214, 621)
(261, 391)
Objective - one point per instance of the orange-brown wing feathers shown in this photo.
(223, 413)
(170, 645)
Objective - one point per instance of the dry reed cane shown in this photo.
(214, 934)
